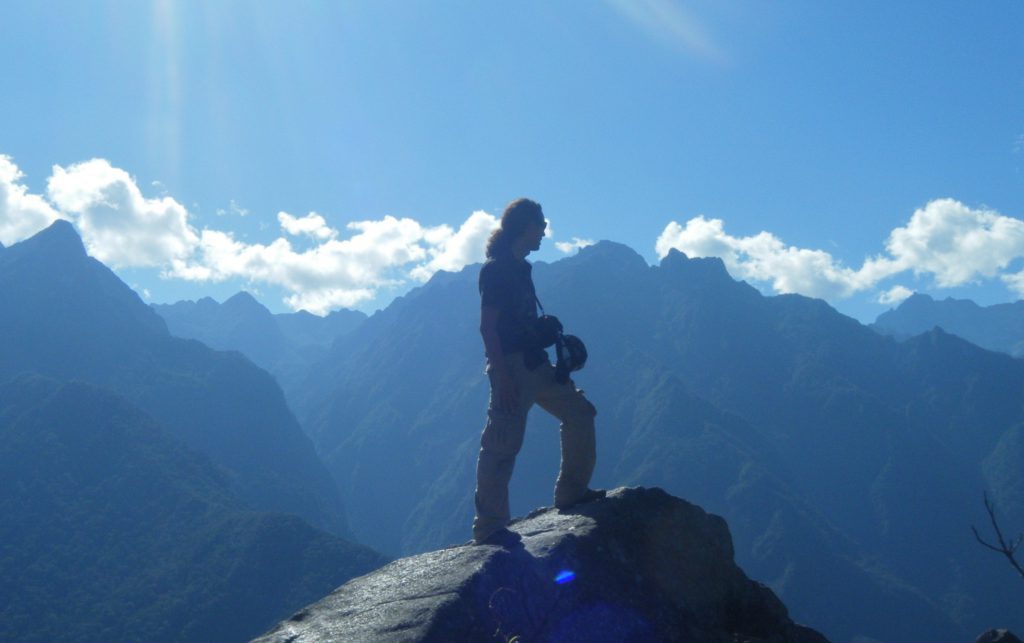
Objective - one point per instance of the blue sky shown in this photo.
(337, 153)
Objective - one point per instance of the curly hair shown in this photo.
(518, 214)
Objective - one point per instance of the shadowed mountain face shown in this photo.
(849, 466)
(283, 344)
(66, 316)
(997, 328)
(110, 530)
(637, 566)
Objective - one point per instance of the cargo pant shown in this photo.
(503, 437)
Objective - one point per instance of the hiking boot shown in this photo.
(503, 537)
(589, 495)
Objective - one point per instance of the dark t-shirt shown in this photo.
(506, 283)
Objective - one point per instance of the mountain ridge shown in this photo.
(67, 316)
(835, 453)
(112, 530)
(283, 344)
(859, 425)
(999, 327)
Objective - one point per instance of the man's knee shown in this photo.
(503, 434)
(580, 412)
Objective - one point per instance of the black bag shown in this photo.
(570, 351)
(546, 331)
(572, 356)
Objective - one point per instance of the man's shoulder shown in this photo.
(505, 262)
(488, 269)
(495, 266)
(505, 274)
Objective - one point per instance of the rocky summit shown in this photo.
(638, 565)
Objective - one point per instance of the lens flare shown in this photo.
(565, 576)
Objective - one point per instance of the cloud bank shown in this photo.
(568, 247)
(119, 226)
(21, 214)
(948, 241)
(123, 228)
(321, 267)
(312, 225)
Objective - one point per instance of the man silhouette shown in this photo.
(521, 376)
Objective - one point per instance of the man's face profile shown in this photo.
(535, 233)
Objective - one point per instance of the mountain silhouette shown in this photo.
(111, 530)
(67, 316)
(999, 327)
(841, 458)
(241, 323)
(285, 344)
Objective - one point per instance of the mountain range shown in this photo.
(850, 466)
(111, 530)
(999, 327)
(284, 344)
(152, 487)
(67, 316)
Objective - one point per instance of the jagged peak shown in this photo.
(244, 301)
(303, 314)
(708, 268)
(342, 313)
(920, 302)
(675, 254)
(41, 263)
(611, 250)
(916, 301)
(206, 304)
(60, 238)
(605, 256)
(917, 297)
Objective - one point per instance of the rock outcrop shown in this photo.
(998, 636)
(639, 565)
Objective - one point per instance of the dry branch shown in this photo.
(1005, 548)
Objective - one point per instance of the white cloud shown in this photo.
(233, 208)
(894, 295)
(312, 225)
(946, 240)
(452, 251)
(21, 214)
(762, 257)
(571, 246)
(346, 272)
(1015, 282)
(123, 228)
(119, 226)
(955, 243)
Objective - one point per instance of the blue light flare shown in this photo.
(565, 576)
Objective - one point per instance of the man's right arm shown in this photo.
(505, 393)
